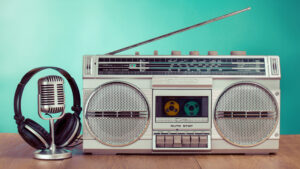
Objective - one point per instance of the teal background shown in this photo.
(58, 33)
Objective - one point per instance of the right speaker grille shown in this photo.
(246, 114)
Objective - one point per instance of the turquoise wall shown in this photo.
(58, 33)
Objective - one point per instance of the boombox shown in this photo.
(203, 104)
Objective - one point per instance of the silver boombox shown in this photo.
(181, 104)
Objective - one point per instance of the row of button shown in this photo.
(181, 141)
(196, 53)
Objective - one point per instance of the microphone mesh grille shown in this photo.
(51, 91)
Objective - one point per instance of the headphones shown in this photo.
(66, 129)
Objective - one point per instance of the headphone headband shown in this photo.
(19, 91)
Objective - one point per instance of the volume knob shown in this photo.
(212, 53)
(175, 53)
(238, 52)
(194, 53)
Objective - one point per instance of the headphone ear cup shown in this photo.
(29, 138)
(34, 134)
(66, 129)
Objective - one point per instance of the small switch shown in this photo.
(186, 141)
(137, 53)
(177, 141)
(238, 52)
(155, 53)
(203, 141)
(212, 53)
(176, 53)
(194, 141)
(168, 141)
(194, 53)
(160, 141)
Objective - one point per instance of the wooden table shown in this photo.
(16, 154)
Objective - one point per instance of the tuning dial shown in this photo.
(176, 53)
(194, 53)
(238, 52)
(212, 53)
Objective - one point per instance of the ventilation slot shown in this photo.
(123, 114)
(47, 94)
(244, 114)
(60, 94)
(274, 66)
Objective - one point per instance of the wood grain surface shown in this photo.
(16, 154)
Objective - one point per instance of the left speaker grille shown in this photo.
(117, 114)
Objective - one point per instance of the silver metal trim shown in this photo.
(182, 56)
(37, 135)
(246, 63)
(266, 76)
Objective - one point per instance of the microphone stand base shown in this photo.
(48, 154)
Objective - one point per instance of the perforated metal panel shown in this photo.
(246, 114)
(117, 114)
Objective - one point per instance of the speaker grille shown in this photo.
(117, 114)
(246, 114)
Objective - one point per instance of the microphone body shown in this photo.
(51, 99)
(51, 95)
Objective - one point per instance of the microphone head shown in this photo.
(51, 94)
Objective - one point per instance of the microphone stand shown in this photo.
(53, 153)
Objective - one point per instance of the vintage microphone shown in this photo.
(51, 100)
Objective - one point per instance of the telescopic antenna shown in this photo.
(178, 31)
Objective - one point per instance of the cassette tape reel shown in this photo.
(191, 108)
(172, 108)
